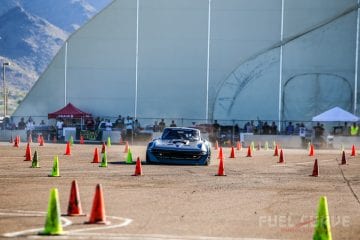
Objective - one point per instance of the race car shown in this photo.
(179, 145)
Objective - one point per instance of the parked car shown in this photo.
(178, 145)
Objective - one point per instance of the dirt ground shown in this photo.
(258, 199)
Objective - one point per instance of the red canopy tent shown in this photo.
(69, 111)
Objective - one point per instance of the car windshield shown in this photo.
(184, 134)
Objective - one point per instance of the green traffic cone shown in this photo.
(274, 144)
(35, 161)
(252, 146)
(322, 226)
(55, 169)
(108, 144)
(104, 160)
(53, 220)
(71, 140)
(129, 159)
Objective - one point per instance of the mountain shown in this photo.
(65, 14)
(29, 39)
(32, 32)
(6, 5)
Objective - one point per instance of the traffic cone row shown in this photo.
(53, 225)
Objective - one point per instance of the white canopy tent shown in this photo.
(335, 114)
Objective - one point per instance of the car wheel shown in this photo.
(148, 159)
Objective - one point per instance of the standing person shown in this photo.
(129, 127)
(156, 127)
(173, 124)
(162, 125)
(108, 125)
(29, 128)
(59, 127)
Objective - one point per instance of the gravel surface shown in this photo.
(258, 199)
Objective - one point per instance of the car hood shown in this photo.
(178, 144)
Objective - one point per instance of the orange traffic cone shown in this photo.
(16, 142)
(38, 139)
(28, 153)
(96, 156)
(18, 139)
(311, 152)
(138, 169)
(221, 155)
(281, 158)
(238, 146)
(126, 147)
(353, 150)
(82, 139)
(103, 148)
(41, 141)
(216, 145)
(98, 209)
(315, 172)
(74, 207)
(343, 159)
(232, 154)
(276, 151)
(68, 150)
(249, 154)
(221, 170)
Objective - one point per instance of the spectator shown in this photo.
(108, 125)
(137, 126)
(90, 124)
(266, 128)
(129, 126)
(172, 124)
(156, 127)
(59, 127)
(273, 128)
(162, 125)
(29, 127)
(119, 123)
(289, 129)
(42, 123)
(22, 124)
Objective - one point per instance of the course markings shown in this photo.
(65, 223)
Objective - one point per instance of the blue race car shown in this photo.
(178, 145)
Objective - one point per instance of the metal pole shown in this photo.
(208, 64)
(356, 58)
(136, 58)
(5, 90)
(65, 73)
(281, 62)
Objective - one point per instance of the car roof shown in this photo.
(182, 128)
